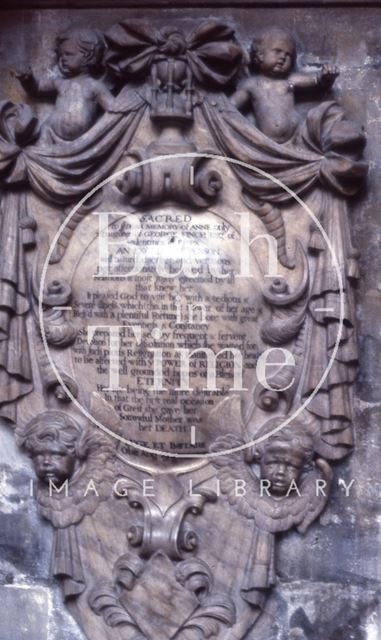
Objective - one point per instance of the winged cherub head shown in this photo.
(50, 439)
(285, 455)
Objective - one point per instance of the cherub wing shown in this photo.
(269, 513)
(233, 471)
(301, 507)
(316, 499)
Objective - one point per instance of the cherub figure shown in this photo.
(79, 93)
(284, 494)
(64, 452)
(270, 92)
(287, 495)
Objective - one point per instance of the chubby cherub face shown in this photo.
(53, 462)
(276, 55)
(281, 464)
(71, 60)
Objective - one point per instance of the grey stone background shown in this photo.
(328, 581)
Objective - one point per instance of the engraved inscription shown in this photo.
(184, 323)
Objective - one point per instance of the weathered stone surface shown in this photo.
(31, 603)
(328, 582)
(311, 611)
(32, 621)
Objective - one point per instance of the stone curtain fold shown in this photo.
(60, 174)
(323, 159)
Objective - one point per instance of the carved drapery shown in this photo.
(132, 564)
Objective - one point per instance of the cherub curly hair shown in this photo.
(259, 42)
(89, 41)
(49, 426)
(294, 433)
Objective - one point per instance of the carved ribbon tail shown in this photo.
(66, 561)
(18, 127)
(15, 366)
(342, 172)
(332, 403)
(260, 571)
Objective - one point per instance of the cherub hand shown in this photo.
(328, 74)
(23, 75)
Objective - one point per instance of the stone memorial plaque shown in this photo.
(178, 332)
(170, 291)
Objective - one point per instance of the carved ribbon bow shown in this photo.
(210, 50)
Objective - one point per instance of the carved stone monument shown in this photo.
(178, 334)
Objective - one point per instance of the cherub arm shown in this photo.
(242, 97)
(36, 86)
(104, 97)
(325, 77)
